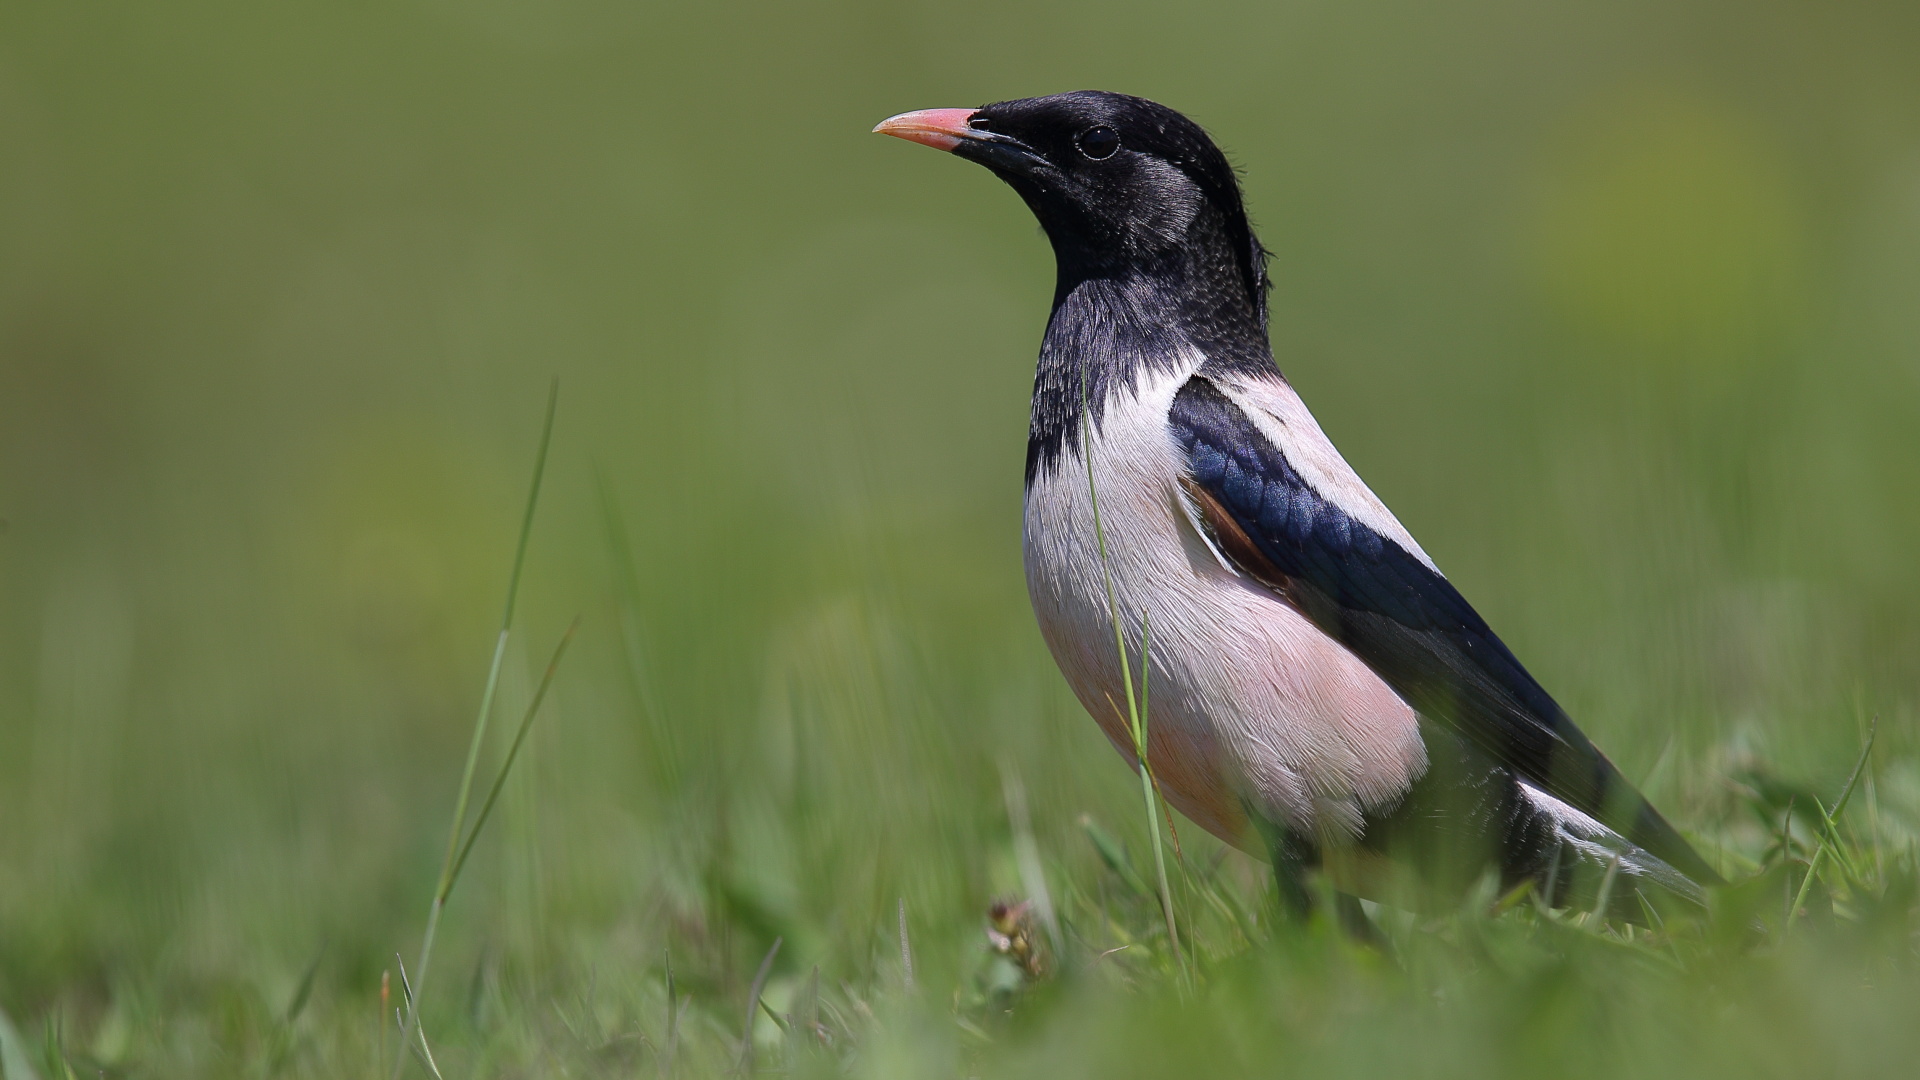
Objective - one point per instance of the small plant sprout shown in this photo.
(753, 1005)
(1830, 828)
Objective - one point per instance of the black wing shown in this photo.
(1399, 616)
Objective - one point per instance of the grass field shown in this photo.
(1613, 304)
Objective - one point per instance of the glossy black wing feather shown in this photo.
(1403, 619)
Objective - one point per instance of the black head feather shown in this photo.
(1123, 185)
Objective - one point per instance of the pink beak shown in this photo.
(942, 129)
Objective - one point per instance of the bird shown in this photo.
(1320, 693)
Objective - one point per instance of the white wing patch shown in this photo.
(1602, 846)
(1282, 417)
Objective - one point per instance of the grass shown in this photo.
(1610, 303)
(1500, 977)
(1084, 963)
(456, 857)
(768, 938)
(1094, 976)
(1138, 713)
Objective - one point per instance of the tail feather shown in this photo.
(1594, 847)
(1469, 811)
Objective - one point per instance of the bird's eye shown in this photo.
(1098, 143)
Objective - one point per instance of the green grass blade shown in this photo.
(1115, 856)
(445, 885)
(1106, 574)
(1859, 768)
(305, 989)
(1135, 720)
(1830, 819)
(1153, 803)
(753, 1005)
(513, 751)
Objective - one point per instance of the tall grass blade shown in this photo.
(1135, 721)
(445, 885)
(1149, 788)
(425, 1053)
(513, 751)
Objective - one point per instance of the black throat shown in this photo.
(1113, 326)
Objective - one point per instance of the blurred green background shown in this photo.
(1617, 305)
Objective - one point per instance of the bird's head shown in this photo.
(1120, 184)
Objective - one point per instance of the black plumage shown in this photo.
(1409, 624)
